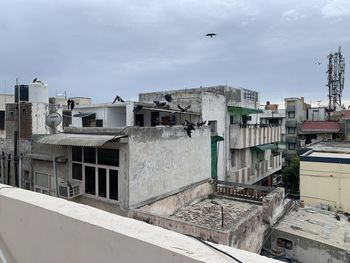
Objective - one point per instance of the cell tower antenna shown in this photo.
(335, 73)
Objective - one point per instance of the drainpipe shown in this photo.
(9, 169)
(20, 170)
(3, 171)
(55, 174)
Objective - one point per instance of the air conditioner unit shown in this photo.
(69, 191)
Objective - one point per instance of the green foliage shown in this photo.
(290, 176)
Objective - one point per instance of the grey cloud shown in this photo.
(100, 48)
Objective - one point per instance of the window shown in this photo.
(113, 184)
(76, 154)
(77, 172)
(284, 243)
(108, 157)
(42, 180)
(90, 180)
(291, 146)
(234, 119)
(99, 123)
(154, 118)
(213, 126)
(250, 95)
(89, 155)
(89, 120)
(139, 120)
(42, 183)
(102, 183)
(291, 130)
(291, 114)
(97, 168)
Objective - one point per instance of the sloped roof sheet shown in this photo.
(84, 140)
(322, 126)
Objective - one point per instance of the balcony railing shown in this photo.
(244, 136)
(256, 172)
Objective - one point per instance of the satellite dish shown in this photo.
(53, 119)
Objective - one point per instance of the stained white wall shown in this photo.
(163, 160)
(116, 117)
(214, 108)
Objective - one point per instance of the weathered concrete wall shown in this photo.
(163, 160)
(310, 250)
(39, 113)
(116, 117)
(249, 233)
(275, 206)
(60, 231)
(168, 205)
(215, 236)
(214, 108)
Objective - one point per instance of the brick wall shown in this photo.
(12, 120)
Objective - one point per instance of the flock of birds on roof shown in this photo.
(189, 127)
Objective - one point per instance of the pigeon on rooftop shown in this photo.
(117, 98)
(184, 109)
(137, 108)
(159, 104)
(168, 97)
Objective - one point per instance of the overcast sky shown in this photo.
(101, 48)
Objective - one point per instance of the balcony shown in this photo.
(244, 136)
(256, 172)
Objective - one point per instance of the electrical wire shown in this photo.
(223, 252)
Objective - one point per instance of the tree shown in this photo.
(291, 176)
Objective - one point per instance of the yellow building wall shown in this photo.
(326, 183)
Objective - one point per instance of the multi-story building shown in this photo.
(241, 151)
(296, 112)
(325, 176)
(24, 118)
(273, 116)
(120, 168)
(316, 114)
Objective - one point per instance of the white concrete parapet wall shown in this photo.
(41, 228)
(252, 136)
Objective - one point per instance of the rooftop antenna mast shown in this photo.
(335, 72)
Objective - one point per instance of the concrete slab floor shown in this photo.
(208, 213)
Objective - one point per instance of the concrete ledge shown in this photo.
(40, 228)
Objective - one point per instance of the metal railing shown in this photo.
(241, 191)
(261, 125)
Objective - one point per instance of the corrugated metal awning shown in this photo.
(84, 140)
(266, 147)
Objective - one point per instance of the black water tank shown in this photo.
(24, 92)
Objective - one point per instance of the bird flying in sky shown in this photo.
(210, 35)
